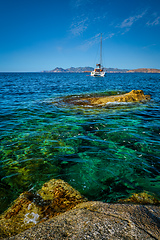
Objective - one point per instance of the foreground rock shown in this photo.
(57, 211)
(133, 96)
(97, 220)
(54, 198)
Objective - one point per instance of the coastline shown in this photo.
(57, 211)
(107, 70)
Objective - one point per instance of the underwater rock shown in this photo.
(97, 220)
(29, 209)
(133, 96)
(141, 198)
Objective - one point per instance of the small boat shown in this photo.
(99, 71)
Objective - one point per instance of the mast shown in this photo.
(101, 51)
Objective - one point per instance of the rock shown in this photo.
(133, 96)
(29, 209)
(141, 198)
(57, 211)
(97, 220)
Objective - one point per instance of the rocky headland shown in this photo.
(107, 70)
(70, 70)
(144, 70)
(57, 211)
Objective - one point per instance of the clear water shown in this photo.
(106, 153)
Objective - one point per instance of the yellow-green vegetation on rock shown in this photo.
(141, 198)
(133, 96)
(97, 220)
(57, 197)
(29, 209)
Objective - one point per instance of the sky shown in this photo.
(37, 35)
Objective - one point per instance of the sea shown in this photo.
(106, 153)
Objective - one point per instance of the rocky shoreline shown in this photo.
(57, 211)
(97, 220)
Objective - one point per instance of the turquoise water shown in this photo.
(106, 153)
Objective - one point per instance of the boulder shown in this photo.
(55, 197)
(97, 220)
(141, 198)
(133, 96)
(57, 211)
(89, 101)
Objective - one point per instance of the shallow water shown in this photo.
(106, 153)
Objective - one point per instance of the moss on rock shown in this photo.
(97, 220)
(102, 100)
(141, 198)
(133, 96)
(29, 209)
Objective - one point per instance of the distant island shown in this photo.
(144, 70)
(71, 70)
(107, 70)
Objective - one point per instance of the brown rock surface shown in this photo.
(141, 198)
(133, 96)
(55, 197)
(97, 220)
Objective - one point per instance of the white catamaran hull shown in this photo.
(97, 74)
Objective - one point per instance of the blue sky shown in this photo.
(38, 35)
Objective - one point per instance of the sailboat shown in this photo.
(99, 71)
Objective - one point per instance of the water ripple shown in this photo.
(105, 153)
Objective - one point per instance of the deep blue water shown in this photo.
(106, 153)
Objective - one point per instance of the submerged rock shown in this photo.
(133, 96)
(97, 220)
(141, 198)
(55, 197)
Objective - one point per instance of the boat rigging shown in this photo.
(99, 70)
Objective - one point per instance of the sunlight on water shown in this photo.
(105, 153)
